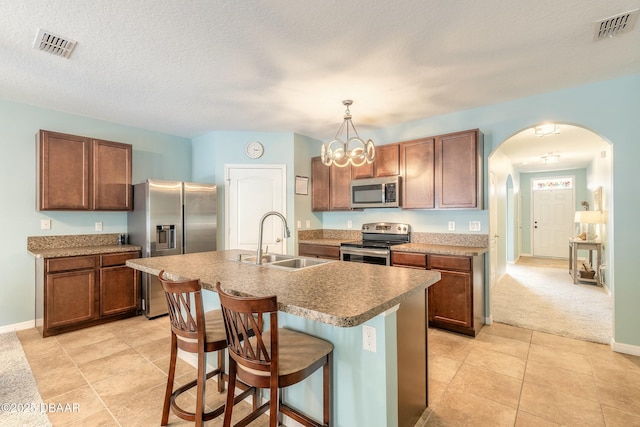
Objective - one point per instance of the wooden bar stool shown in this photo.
(271, 360)
(194, 331)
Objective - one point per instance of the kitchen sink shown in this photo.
(266, 258)
(298, 263)
(283, 262)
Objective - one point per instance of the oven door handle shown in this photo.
(361, 251)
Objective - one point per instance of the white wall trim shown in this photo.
(17, 326)
(488, 320)
(619, 347)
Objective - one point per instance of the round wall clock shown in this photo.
(254, 150)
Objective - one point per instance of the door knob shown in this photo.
(278, 240)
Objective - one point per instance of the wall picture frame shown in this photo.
(302, 185)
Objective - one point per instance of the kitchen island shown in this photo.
(333, 301)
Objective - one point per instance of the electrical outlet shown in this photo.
(45, 224)
(474, 226)
(369, 338)
(349, 224)
(98, 226)
(452, 225)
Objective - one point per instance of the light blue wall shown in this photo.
(154, 155)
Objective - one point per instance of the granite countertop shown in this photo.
(76, 245)
(82, 250)
(428, 248)
(337, 293)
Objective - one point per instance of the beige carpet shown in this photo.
(539, 294)
(19, 397)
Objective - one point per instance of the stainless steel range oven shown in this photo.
(375, 246)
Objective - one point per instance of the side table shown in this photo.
(589, 245)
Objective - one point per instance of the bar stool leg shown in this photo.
(172, 373)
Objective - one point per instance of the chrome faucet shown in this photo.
(284, 224)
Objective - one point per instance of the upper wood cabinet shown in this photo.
(386, 163)
(418, 164)
(111, 175)
(442, 172)
(459, 170)
(64, 163)
(80, 173)
(330, 187)
(319, 185)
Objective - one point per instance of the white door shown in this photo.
(251, 191)
(552, 222)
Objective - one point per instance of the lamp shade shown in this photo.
(589, 217)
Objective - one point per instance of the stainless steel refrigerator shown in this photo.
(170, 218)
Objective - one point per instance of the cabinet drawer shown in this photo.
(322, 251)
(110, 260)
(71, 263)
(449, 262)
(409, 259)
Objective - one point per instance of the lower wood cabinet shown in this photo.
(70, 298)
(81, 291)
(118, 285)
(319, 251)
(456, 302)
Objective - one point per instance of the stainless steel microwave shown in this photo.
(376, 192)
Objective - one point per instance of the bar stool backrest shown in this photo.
(257, 357)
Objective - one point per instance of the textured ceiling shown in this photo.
(190, 67)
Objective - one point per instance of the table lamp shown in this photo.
(589, 218)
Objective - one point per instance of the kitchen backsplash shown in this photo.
(451, 239)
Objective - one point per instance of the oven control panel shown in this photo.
(386, 227)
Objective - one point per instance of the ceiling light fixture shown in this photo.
(549, 158)
(546, 129)
(339, 152)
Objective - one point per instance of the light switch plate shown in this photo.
(45, 224)
(299, 224)
(98, 226)
(349, 224)
(308, 223)
(452, 225)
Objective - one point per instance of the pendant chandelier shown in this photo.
(352, 150)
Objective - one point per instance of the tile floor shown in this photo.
(510, 376)
(506, 376)
(116, 373)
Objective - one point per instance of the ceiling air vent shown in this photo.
(614, 25)
(54, 44)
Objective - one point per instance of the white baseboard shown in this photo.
(17, 326)
(619, 347)
(488, 320)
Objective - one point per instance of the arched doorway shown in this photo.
(512, 164)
